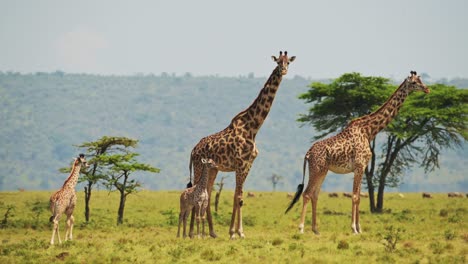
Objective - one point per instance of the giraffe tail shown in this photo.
(300, 188)
(190, 169)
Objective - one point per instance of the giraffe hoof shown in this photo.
(213, 235)
(316, 232)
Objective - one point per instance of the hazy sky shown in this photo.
(231, 38)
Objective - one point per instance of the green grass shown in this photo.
(415, 231)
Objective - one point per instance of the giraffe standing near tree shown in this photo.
(196, 197)
(349, 151)
(64, 201)
(234, 149)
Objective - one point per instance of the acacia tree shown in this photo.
(94, 149)
(424, 126)
(119, 167)
(275, 179)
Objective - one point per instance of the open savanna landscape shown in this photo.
(411, 230)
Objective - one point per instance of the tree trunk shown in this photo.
(369, 172)
(87, 199)
(121, 208)
(380, 193)
(370, 187)
(218, 194)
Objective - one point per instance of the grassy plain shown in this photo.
(413, 230)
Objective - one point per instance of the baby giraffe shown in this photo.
(196, 196)
(64, 201)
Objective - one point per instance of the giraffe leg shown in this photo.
(55, 229)
(211, 179)
(305, 199)
(356, 199)
(192, 222)
(72, 222)
(203, 217)
(67, 230)
(239, 228)
(315, 195)
(185, 222)
(181, 217)
(232, 231)
(198, 220)
(238, 202)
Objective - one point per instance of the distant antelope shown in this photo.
(363, 194)
(349, 195)
(290, 195)
(455, 194)
(251, 194)
(426, 195)
(334, 194)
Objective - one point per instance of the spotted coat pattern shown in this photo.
(196, 198)
(349, 151)
(64, 201)
(234, 149)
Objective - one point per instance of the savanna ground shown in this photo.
(412, 230)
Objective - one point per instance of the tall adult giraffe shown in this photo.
(64, 200)
(234, 149)
(349, 151)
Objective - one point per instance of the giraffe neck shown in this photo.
(203, 179)
(253, 117)
(73, 178)
(378, 120)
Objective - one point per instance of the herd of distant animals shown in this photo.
(234, 149)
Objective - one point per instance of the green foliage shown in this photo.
(172, 218)
(9, 209)
(449, 234)
(343, 245)
(391, 237)
(345, 98)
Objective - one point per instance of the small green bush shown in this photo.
(343, 245)
(449, 234)
(443, 212)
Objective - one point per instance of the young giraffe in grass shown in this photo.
(349, 151)
(64, 200)
(234, 149)
(196, 197)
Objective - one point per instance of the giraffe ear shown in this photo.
(292, 58)
(274, 58)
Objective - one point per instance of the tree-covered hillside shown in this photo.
(44, 114)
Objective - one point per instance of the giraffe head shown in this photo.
(209, 163)
(283, 62)
(414, 83)
(81, 160)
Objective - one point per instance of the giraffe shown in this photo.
(64, 200)
(196, 197)
(349, 151)
(234, 149)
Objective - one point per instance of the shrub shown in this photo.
(277, 242)
(210, 255)
(343, 245)
(392, 237)
(449, 234)
(443, 212)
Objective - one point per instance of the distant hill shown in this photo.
(44, 114)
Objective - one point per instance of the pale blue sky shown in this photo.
(231, 38)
